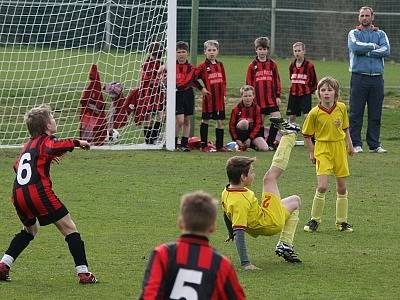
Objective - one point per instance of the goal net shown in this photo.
(99, 64)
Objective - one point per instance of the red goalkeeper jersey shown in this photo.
(252, 114)
(214, 79)
(190, 269)
(186, 76)
(264, 77)
(304, 80)
(32, 192)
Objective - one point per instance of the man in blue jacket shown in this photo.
(368, 45)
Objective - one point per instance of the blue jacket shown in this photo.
(367, 49)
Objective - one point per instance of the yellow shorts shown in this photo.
(331, 158)
(273, 218)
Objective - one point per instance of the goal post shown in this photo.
(89, 60)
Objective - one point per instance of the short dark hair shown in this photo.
(262, 42)
(237, 166)
(198, 211)
(181, 45)
(37, 119)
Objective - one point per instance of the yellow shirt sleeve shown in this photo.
(309, 126)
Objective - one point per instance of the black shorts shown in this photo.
(298, 104)
(269, 110)
(245, 134)
(215, 115)
(184, 102)
(46, 219)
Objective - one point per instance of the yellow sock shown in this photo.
(282, 154)
(318, 206)
(287, 234)
(342, 207)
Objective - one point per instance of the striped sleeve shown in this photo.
(232, 124)
(313, 78)
(249, 75)
(231, 288)
(55, 147)
(257, 122)
(277, 81)
(154, 275)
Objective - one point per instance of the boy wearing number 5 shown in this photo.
(33, 197)
(244, 214)
(190, 268)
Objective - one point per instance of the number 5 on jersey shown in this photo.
(180, 290)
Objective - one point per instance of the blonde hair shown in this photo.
(237, 166)
(246, 88)
(262, 42)
(198, 211)
(211, 43)
(37, 119)
(330, 81)
(303, 46)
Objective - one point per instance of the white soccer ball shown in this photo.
(113, 137)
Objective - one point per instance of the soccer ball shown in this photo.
(113, 136)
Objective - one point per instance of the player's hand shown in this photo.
(85, 145)
(230, 238)
(250, 267)
(278, 101)
(312, 158)
(204, 92)
(56, 160)
(247, 143)
(350, 150)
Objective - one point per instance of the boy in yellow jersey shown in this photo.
(329, 124)
(242, 211)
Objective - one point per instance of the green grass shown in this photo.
(124, 203)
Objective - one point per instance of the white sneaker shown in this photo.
(358, 149)
(378, 150)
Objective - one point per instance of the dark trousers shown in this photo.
(366, 90)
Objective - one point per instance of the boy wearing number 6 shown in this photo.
(244, 214)
(33, 197)
(190, 268)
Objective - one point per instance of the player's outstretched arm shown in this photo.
(83, 144)
(240, 241)
(228, 225)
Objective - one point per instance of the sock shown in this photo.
(342, 206)
(77, 248)
(8, 260)
(184, 142)
(282, 154)
(147, 134)
(273, 131)
(204, 134)
(318, 206)
(262, 132)
(176, 142)
(155, 132)
(243, 134)
(81, 269)
(219, 137)
(20, 241)
(287, 234)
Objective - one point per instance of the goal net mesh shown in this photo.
(89, 61)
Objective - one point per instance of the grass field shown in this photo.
(125, 203)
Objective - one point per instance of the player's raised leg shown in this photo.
(77, 248)
(288, 210)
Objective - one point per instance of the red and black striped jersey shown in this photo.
(190, 269)
(303, 78)
(214, 79)
(186, 76)
(264, 77)
(252, 114)
(32, 185)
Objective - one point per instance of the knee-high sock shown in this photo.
(219, 137)
(147, 134)
(273, 131)
(282, 154)
(20, 241)
(318, 206)
(155, 133)
(77, 248)
(288, 231)
(184, 141)
(342, 206)
(204, 134)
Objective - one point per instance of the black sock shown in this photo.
(273, 131)
(147, 134)
(219, 137)
(184, 142)
(77, 248)
(204, 134)
(262, 132)
(20, 241)
(155, 132)
(176, 142)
